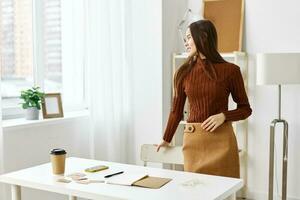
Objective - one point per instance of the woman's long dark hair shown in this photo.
(205, 38)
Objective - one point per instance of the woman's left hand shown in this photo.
(213, 122)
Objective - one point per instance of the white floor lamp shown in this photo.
(278, 69)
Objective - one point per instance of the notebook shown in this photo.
(152, 182)
(125, 178)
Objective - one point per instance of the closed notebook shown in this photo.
(152, 182)
(125, 178)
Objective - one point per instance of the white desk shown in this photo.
(41, 178)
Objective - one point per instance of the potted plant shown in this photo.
(32, 99)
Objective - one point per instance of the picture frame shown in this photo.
(52, 106)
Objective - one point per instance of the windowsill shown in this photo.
(23, 123)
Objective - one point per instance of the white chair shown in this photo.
(166, 155)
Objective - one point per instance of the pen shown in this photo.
(110, 175)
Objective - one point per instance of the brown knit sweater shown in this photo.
(208, 97)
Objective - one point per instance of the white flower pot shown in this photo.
(32, 114)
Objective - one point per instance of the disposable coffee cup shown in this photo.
(58, 159)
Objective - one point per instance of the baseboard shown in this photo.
(258, 195)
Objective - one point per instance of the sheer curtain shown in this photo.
(1, 133)
(1, 145)
(73, 41)
(108, 60)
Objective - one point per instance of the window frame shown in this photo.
(15, 112)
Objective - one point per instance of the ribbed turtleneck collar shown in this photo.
(201, 62)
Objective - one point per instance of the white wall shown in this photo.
(29, 146)
(273, 28)
(172, 13)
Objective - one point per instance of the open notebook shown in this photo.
(141, 180)
(126, 178)
(152, 182)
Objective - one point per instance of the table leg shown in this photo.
(15, 192)
(72, 198)
(231, 197)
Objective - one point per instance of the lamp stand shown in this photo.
(285, 152)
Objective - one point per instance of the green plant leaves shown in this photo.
(32, 98)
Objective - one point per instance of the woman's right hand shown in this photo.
(162, 144)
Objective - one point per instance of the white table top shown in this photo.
(40, 177)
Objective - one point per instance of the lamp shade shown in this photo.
(278, 68)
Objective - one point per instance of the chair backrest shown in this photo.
(166, 155)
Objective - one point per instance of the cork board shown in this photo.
(228, 17)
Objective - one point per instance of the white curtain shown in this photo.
(108, 59)
(73, 41)
(1, 145)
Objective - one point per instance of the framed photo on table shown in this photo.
(52, 106)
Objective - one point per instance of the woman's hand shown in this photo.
(213, 122)
(162, 144)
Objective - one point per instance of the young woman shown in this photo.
(206, 80)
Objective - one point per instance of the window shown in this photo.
(31, 54)
(17, 49)
(52, 46)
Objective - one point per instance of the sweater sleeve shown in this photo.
(239, 96)
(175, 115)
